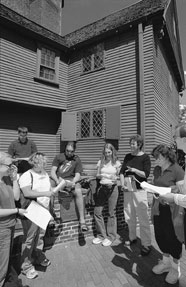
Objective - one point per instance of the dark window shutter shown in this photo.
(69, 126)
(113, 122)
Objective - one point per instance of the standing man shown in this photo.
(68, 167)
(21, 149)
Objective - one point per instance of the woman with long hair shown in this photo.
(108, 168)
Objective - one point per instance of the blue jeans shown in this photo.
(106, 193)
(6, 243)
(31, 252)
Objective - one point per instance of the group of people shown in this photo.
(23, 176)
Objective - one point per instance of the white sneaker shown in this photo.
(161, 267)
(31, 273)
(97, 240)
(106, 242)
(173, 275)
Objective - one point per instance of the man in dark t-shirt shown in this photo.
(21, 149)
(68, 167)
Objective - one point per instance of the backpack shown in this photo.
(24, 202)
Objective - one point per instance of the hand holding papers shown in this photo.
(155, 189)
(38, 214)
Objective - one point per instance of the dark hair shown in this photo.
(22, 129)
(138, 139)
(165, 151)
(72, 144)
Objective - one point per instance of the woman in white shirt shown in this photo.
(35, 185)
(108, 171)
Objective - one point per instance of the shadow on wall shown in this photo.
(37, 119)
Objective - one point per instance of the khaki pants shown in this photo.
(136, 204)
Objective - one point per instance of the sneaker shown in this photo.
(161, 267)
(97, 240)
(173, 275)
(106, 242)
(45, 263)
(130, 242)
(31, 273)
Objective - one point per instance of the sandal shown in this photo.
(83, 227)
(145, 250)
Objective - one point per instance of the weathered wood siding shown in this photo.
(148, 44)
(166, 97)
(114, 85)
(18, 69)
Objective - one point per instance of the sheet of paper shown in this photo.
(38, 214)
(155, 189)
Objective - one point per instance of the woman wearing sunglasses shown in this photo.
(9, 192)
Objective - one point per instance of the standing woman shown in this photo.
(168, 218)
(108, 170)
(136, 164)
(9, 191)
(35, 185)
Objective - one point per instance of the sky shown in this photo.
(78, 13)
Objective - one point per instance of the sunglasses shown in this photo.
(21, 132)
(69, 151)
(7, 165)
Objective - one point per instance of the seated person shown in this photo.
(67, 167)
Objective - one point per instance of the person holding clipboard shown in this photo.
(136, 164)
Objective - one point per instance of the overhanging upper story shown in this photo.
(159, 13)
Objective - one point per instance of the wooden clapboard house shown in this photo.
(116, 77)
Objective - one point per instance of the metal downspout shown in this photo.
(141, 80)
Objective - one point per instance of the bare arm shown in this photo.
(28, 192)
(54, 175)
(76, 178)
(122, 180)
(7, 212)
(13, 176)
(137, 171)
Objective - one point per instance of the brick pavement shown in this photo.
(88, 265)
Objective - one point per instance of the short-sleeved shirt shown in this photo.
(141, 162)
(38, 182)
(19, 149)
(67, 168)
(108, 169)
(169, 177)
(7, 202)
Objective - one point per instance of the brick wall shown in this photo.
(67, 230)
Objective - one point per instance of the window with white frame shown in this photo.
(93, 59)
(91, 124)
(47, 64)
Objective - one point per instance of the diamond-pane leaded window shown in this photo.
(87, 63)
(47, 64)
(93, 59)
(91, 124)
(85, 125)
(97, 123)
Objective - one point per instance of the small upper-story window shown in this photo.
(93, 58)
(92, 124)
(47, 64)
